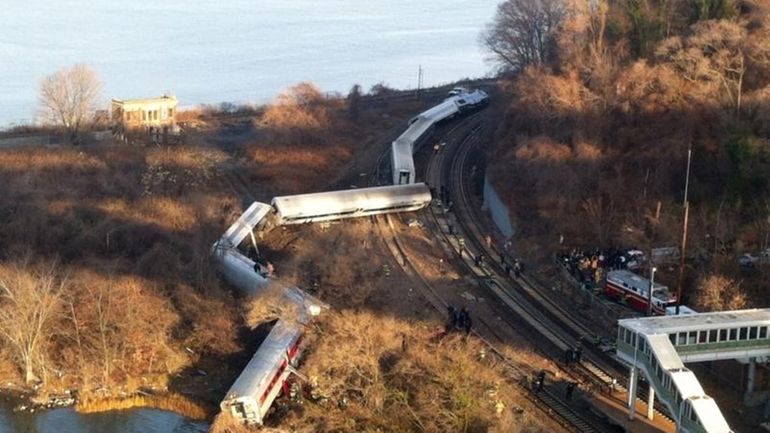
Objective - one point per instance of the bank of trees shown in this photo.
(625, 88)
(55, 321)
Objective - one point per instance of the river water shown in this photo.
(236, 50)
(66, 420)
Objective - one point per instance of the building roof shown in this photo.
(665, 352)
(165, 99)
(695, 322)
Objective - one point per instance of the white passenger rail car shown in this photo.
(333, 205)
(402, 149)
(238, 270)
(421, 127)
(250, 397)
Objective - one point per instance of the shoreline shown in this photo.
(26, 400)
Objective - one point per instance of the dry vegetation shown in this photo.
(375, 361)
(122, 233)
(597, 132)
(397, 376)
(380, 373)
(111, 243)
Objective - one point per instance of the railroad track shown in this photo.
(521, 294)
(548, 398)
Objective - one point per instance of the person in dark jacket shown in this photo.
(570, 389)
(464, 321)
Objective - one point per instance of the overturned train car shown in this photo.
(333, 205)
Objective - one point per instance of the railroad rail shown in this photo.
(547, 399)
(548, 318)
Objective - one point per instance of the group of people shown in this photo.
(589, 266)
(540, 382)
(458, 320)
(573, 355)
(517, 268)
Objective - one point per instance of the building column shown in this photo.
(651, 402)
(750, 379)
(632, 384)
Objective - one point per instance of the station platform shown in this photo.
(614, 408)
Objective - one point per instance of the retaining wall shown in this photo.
(497, 209)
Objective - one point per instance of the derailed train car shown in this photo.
(238, 270)
(253, 392)
(332, 205)
(421, 127)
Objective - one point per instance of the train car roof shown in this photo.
(402, 152)
(441, 111)
(415, 131)
(246, 222)
(322, 203)
(699, 321)
(259, 371)
(472, 98)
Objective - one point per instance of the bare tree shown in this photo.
(718, 293)
(68, 97)
(30, 305)
(522, 32)
(713, 54)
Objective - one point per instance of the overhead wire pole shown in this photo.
(419, 78)
(684, 232)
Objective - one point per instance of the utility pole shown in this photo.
(652, 287)
(419, 78)
(684, 232)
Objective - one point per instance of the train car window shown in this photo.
(682, 339)
(693, 337)
(733, 334)
(723, 335)
(672, 337)
(753, 333)
(713, 336)
(744, 333)
(703, 336)
(763, 332)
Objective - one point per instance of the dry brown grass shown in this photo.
(225, 423)
(435, 385)
(171, 402)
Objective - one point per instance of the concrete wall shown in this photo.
(497, 209)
